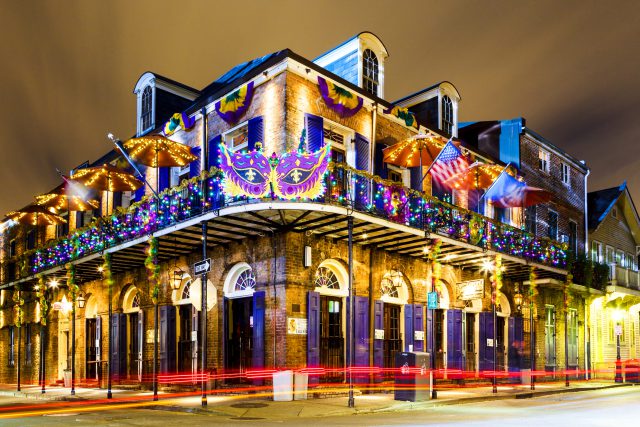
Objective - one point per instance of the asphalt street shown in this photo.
(611, 407)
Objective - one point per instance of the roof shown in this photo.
(426, 89)
(600, 202)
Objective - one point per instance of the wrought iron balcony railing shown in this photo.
(345, 186)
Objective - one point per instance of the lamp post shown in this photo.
(617, 317)
(79, 301)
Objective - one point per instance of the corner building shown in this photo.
(278, 290)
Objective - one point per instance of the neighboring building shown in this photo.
(278, 289)
(614, 234)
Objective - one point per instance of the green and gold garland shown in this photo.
(42, 300)
(106, 270)
(19, 301)
(71, 283)
(153, 269)
(533, 289)
(434, 256)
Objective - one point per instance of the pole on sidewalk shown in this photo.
(19, 344)
(494, 295)
(43, 365)
(351, 402)
(204, 317)
(109, 394)
(73, 349)
(155, 352)
(566, 341)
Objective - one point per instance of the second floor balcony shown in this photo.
(347, 192)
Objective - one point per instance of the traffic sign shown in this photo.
(203, 266)
(432, 300)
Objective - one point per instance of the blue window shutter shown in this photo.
(379, 167)
(418, 325)
(362, 153)
(485, 351)
(313, 331)
(378, 323)
(315, 132)
(258, 330)
(214, 152)
(454, 339)
(361, 330)
(194, 167)
(408, 326)
(255, 132)
(164, 175)
(516, 342)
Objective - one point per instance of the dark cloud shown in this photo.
(571, 68)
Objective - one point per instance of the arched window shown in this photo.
(389, 285)
(146, 109)
(136, 301)
(447, 115)
(246, 281)
(326, 278)
(370, 72)
(186, 291)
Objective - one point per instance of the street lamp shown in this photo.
(81, 300)
(517, 297)
(177, 278)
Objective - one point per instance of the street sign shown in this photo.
(432, 300)
(203, 266)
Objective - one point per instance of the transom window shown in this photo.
(326, 278)
(238, 138)
(332, 136)
(391, 283)
(136, 301)
(246, 281)
(447, 115)
(370, 72)
(146, 108)
(186, 291)
(544, 159)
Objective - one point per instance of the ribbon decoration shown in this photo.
(290, 176)
(340, 100)
(403, 114)
(233, 106)
(178, 119)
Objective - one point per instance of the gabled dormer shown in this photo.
(360, 61)
(435, 107)
(157, 99)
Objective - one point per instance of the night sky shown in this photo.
(571, 68)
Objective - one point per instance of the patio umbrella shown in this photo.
(477, 176)
(418, 150)
(65, 198)
(159, 151)
(106, 178)
(35, 215)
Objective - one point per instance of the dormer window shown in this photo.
(447, 115)
(370, 71)
(146, 109)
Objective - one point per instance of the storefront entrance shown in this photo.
(92, 355)
(239, 334)
(189, 339)
(392, 338)
(470, 341)
(331, 337)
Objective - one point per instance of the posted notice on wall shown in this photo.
(296, 326)
(150, 336)
(418, 335)
(378, 334)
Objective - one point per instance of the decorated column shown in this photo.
(19, 301)
(533, 291)
(108, 279)
(153, 270)
(43, 305)
(73, 293)
(496, 285)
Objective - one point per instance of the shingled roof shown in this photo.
(600, 202)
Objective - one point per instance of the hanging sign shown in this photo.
(296, 326)
(432, 300)
(471, 289)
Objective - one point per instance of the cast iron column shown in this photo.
(351, 402)
(19, 343)
(204, 317)
(155, 353)
(109, 395)
(42, 355)
(73, 349)
(495, 336)
(618, 377)
(566, 343)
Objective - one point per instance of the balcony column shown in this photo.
(351, 402)
(204, 317)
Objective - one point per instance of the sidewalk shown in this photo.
(248, 407)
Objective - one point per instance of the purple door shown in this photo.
(429, 333)
(408, 326)
(487, 341)
(418, 326)
(167, 338)
(454, 339)
(258, 330)
(516, 343)
(378, 344)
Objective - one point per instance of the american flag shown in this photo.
(449, 162)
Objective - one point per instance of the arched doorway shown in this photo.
(492, 334)
(130, 336)
(391, 329)
(327, 319)
(443, 321)
(188, 331)
(243, 321)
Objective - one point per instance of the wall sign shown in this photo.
(296, 326)
(378, 334)
(150, 336)
(471, 289)
(418, 335)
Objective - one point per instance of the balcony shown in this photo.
(370, 197)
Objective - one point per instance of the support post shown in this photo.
(204, 318)
(351, 402)
(109, 394)
(155, 353)
(566, 341)
(494, 382)
(73, 348)
(19, 345)
(618, 377)
(42, 354)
